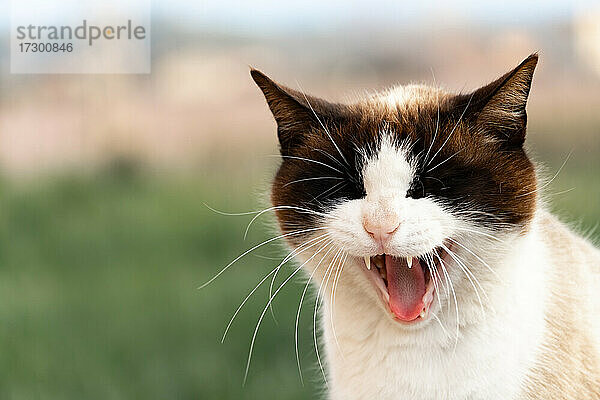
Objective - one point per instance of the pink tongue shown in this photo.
(406, 287)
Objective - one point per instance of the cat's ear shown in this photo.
(499, 107)
(296, 114)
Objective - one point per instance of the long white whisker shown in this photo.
(480, 233)
(451, 132)
(447, 278)
(329, 274)
(432, 270)
(293, 208)
(312, 179)
(561, 192)
(478, 258)
(437, 126)
(262, 315)
(286, 259)
(332, 158)
(254, 248)
(437, 285)
(441, 325)
(313, 161)
(300, 308)
(476, 212)
(336, 278)
(447, 159)
(441, 281)
(322, 125)
(331, 190)
(315, 317)
(228, 214)
(258, 213)
(244, 302)
(550, 181)
(467, 271)
(449, 281)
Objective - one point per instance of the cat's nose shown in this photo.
(381, 229)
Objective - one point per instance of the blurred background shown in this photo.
(105, 235)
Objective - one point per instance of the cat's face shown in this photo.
(406, 187)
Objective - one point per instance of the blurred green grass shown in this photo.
(99, 298)
(98, 289)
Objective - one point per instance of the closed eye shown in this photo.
(416, 189)
(436, 179)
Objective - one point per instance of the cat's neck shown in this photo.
(371, 356)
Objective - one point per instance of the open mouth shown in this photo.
(405, 283)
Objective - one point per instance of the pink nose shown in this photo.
(381, 229)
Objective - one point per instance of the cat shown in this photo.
(417, 212)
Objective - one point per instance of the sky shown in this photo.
(267, 16)
(271, 16)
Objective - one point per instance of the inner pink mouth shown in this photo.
(405, 284)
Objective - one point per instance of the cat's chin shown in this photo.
(405, 285)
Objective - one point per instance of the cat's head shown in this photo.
(406, 187)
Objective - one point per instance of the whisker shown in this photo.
(452, 131)
(433, 273)
(331, 190)
(437, 125)
(286, 259)
(311, 160)
(438, 274)
(254, 248)
(274, 270)
(490, 307)
(258, 213)
(262, 315)
(447, 159)
(562, 192)
(466, 270)
(292, 208)
(312, 179)
(332, 158)
(300, 307)
(481, 233)
(322, 125)
(550, 181)
(441, 325)
(333, 290)
(335, 257)
(476, 212)
(478, 258)
(449, 281)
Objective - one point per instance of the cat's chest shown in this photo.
(473, 369)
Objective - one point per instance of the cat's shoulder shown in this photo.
(563, 240)
(568, 366)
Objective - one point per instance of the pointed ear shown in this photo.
(500, 106)
(296, 114)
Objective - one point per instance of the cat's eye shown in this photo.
(416, 189)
